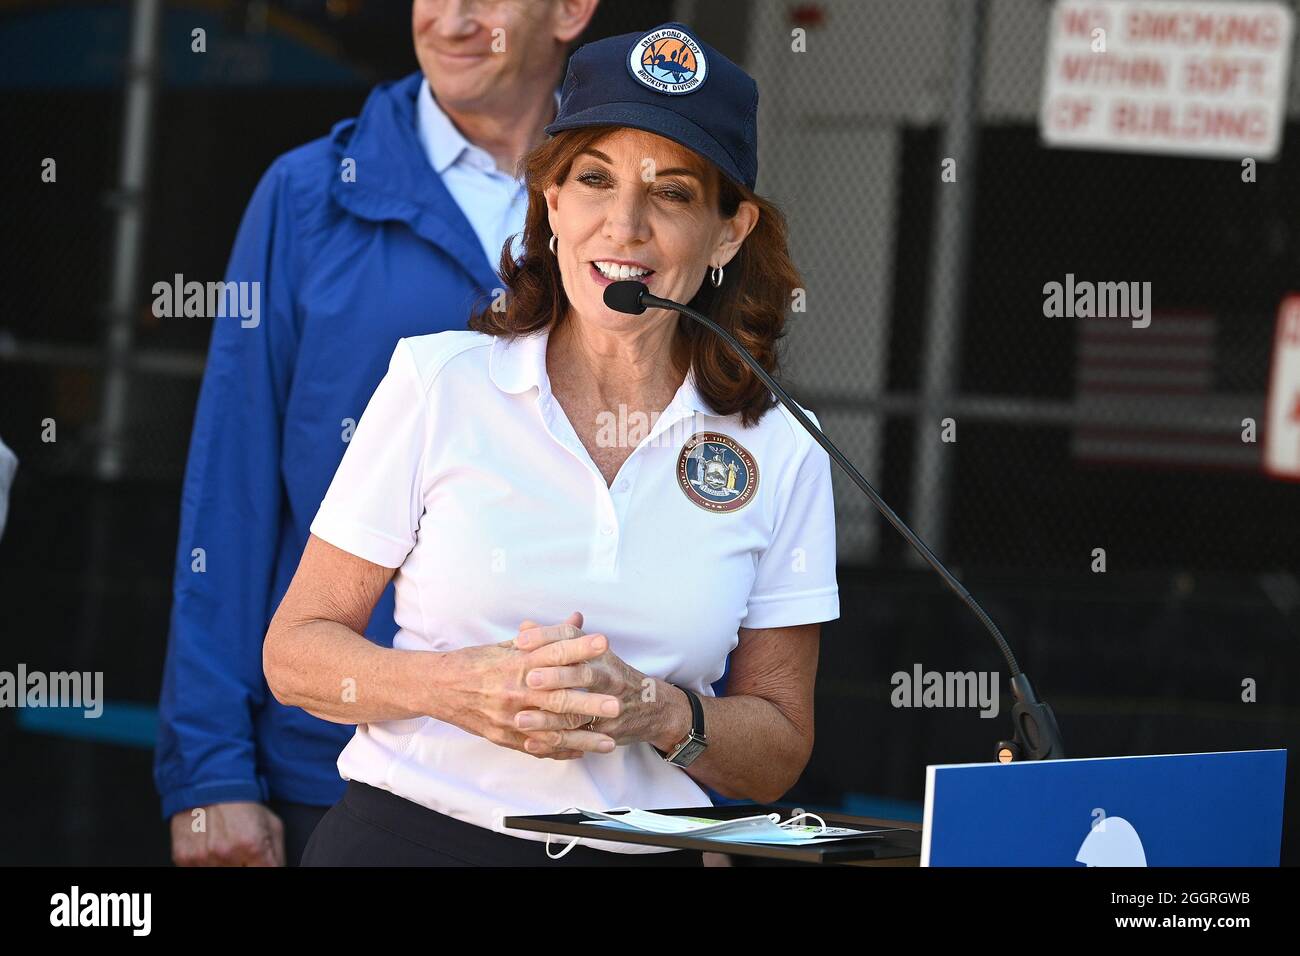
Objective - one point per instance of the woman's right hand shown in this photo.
(481, 689)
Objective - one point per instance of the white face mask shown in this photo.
(757, 829)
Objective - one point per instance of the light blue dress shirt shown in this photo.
(493, 201)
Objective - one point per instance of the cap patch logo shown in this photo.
(668, 61)
(716, 472)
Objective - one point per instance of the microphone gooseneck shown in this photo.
(1037, 735)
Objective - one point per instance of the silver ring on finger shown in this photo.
(591, 724)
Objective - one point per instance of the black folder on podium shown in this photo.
(898, 842)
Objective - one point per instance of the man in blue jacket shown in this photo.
(391, 226)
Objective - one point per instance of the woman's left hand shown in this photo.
(644, 713)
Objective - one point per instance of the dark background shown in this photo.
(1201, 591)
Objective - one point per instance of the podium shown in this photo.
(1210, 809)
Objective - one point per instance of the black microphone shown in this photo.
(626, 296)
(1036, 734)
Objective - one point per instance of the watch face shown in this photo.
(688, 752)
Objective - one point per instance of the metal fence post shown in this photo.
(945, 307)
(141, 91)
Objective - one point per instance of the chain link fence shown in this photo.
(1063, 435)
(1067, 438)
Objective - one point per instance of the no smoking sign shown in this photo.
(1282, 420)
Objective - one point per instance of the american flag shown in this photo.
(1146, 396)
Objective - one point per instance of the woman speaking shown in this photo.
(584, 513)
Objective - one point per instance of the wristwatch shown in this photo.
(694, 743)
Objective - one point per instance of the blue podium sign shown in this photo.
(1214, 809)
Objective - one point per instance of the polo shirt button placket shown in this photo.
(604, 549)
(605, 552)
(619, 493)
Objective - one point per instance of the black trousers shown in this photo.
(372, 827)
(299, 820)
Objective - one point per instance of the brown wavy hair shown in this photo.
(750, 304)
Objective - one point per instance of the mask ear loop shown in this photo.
(575, 841)
(776, 818)
(560, 855)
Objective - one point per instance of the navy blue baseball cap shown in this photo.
(666, 81)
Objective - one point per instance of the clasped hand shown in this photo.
(554, 692)
(553, 728)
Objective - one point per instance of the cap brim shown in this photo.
(660, 121)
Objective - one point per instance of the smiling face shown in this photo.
(638, 206)
(479, 52)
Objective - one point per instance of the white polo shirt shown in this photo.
(465, 474)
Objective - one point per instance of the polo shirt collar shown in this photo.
(516, 366)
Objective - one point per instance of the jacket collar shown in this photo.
(394, 180)
(518, 365)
